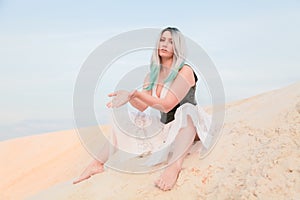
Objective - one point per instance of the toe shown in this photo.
(161, 184)
(167, 187)
(158, 182)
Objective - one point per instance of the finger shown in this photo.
(109, 104)
(112, 94)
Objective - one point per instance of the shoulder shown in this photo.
(187, 72)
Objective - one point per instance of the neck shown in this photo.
(166, 63)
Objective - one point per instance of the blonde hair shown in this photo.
(178, 57)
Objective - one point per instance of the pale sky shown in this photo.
(255, 46)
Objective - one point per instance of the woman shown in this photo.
(170, 88)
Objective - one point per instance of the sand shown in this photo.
(257, 157)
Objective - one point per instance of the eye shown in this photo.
(162, 39)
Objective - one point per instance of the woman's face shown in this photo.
(165, 47)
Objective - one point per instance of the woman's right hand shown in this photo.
(120, 98)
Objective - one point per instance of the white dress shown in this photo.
(139, 135)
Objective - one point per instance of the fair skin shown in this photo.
(141, 100)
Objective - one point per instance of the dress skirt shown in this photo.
(143, 136)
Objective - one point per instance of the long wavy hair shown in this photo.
(178, 57)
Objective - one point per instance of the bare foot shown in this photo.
(93, 168)
(169, 177)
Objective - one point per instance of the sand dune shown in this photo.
(257, 157)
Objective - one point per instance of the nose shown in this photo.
(165, 44)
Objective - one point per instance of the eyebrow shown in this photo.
(165, 38)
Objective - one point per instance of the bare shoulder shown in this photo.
(186, 70)
(187, 73)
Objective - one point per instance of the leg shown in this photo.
(182, 143)
(96, 166)
(93, 168)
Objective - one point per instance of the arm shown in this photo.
(179, 88)
(137, 103)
